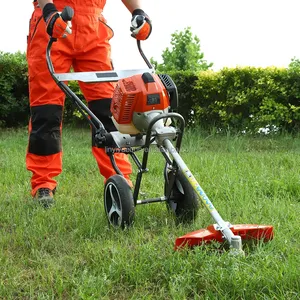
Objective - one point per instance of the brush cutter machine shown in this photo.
(144, 112)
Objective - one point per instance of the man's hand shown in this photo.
(56, 26)
(140, 25)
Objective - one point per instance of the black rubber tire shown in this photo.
(118, 202)
(185, 205)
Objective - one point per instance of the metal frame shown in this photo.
(115, 142)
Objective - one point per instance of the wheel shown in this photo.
(118, 202)
(184, 202)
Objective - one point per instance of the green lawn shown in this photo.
(69, 252)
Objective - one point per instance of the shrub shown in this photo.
(14, 108)
(238, 99)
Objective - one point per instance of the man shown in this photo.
(86, 49)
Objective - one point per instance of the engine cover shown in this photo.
(138, 95)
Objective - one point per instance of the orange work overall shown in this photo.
(86, 49)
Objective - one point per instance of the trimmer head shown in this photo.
(211, 233)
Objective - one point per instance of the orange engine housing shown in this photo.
(138, 94)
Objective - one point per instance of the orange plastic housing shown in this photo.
(138, 94)
(245, 231)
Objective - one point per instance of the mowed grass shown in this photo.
(70, 252)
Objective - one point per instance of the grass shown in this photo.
(69, 252)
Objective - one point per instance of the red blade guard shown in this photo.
(245, 231)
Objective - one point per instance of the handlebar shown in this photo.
(143, 55)
(67, 14)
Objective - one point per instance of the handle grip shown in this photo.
(67, 13)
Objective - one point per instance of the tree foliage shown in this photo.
(185, 54)
(294, 64)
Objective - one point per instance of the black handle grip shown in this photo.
(67, 13)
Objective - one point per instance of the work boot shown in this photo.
(44, 197)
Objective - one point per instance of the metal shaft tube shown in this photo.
(228, 234)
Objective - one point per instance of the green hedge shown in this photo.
(14, 98)
(241, 99)
(14, 109)
(238, 99)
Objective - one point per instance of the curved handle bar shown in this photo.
(67, 15)
(143, 55)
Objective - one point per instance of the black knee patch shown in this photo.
(101, 109)
(45, 135)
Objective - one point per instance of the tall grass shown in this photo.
(70, 252)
